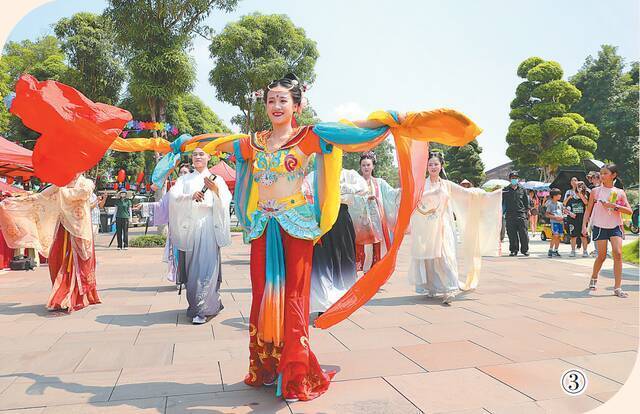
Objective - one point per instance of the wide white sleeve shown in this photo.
(180, 213)
(478, 216)
(390, 201)
(351, 183)
(221, 214)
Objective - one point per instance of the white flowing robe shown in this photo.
(433, 268)
(160, 214)
(198, 230)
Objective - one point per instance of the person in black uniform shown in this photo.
(515, 205)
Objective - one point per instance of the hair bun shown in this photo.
(292, 77)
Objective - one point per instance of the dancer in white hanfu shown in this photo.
(199, 225)
(433, 268)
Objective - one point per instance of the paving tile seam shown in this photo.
(537, 309)
(422, 319)
(135, 341)
(487, 329)
(551, 324)
(508, 385)
(166, 403)
(577, 347)
(492, 351)
(355, 323)
(403, 396)
(161, 396)
(418, 365)
(29, 407)
(588, 312)
(601, 401)
(341, 343)
(81, 360)
(115, 384)
(221, 377)
(592, 371)
(10, 384)
(408, 331)
(56, 342)
(479, 312)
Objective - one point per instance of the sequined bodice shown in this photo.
(268, 167)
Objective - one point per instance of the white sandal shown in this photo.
(592, 284)
(620, 293)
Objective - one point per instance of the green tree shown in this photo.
(252, 52)
(610, 100)
(42, 58)
(385, 165)
(191, 116)
(465, 163)
(544, 132)
(156, 35)
(88, 41)
(5, 89)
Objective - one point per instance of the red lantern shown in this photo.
(140, 177)
(148, 187)
(127, 186)
(9, 180)
(121, 176)
(115, 186)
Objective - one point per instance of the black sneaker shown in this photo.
(513, 254)
(525, 254)
(550, 253)
(556, 254)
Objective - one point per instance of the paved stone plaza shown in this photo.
(500, 349)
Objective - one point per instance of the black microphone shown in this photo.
(205, 188)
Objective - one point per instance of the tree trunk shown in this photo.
(547, 174)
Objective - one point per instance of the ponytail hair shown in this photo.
(617, 182)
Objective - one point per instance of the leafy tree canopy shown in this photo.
(546, 130)
(253, 51)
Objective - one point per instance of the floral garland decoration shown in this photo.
(137, 126)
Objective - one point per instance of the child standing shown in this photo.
(605, 209)
(556, 219)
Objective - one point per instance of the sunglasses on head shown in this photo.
(285, 83)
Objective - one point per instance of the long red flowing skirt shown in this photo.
(73, 278)
(302, 376)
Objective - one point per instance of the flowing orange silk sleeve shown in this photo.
(75, 131)
(140, 144)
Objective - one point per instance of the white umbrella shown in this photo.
(496, 182)
(536, 185)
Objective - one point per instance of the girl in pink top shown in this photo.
(605, 209)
